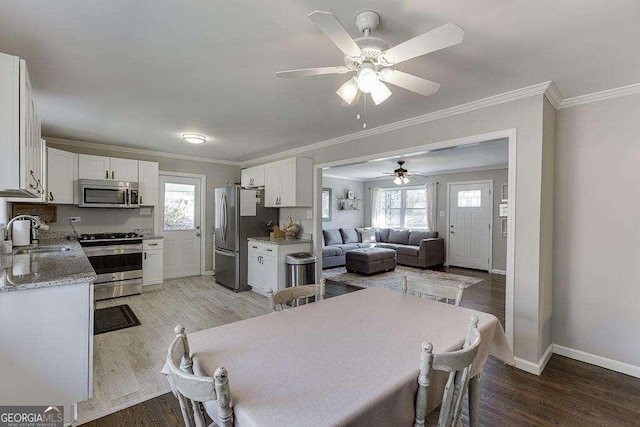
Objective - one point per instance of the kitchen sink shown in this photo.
(42, 250)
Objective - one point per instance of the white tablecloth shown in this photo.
(350, 360)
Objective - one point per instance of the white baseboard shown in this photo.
(496, 271)
(535, 368)
(614, 365)
(209, 273)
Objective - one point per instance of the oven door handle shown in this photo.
(102, 251)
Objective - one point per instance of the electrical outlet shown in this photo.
(75, 219)
(309, 214)
(145, 211)
(442, 214)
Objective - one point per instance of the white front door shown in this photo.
(470, 207)
(179, 204)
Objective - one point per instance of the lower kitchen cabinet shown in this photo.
(266, 267)
(152, 262)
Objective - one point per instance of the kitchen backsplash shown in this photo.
(97, 220)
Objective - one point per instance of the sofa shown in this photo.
(415, 248)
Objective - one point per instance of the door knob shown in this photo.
(198, 234)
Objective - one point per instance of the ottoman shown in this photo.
(371, 260)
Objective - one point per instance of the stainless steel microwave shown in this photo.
(94, 193)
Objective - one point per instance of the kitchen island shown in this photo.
(46, 312)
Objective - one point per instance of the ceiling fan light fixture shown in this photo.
(380, 93)
(397, 181)
(405, 180)
(348, 91)
(367, 78)
(194, 138)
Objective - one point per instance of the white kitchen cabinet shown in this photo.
(47, 346)
(266, 268)
(20, 140)
(62, 171)
(152, 262)
(148, 183)
(252, 177)
(111, 168)
(94, 167)
(289, 183)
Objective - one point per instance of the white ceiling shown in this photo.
(139, 73)
(485, 155)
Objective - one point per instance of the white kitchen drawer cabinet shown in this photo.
(289, 183)
(266, 266)
(62, 171)
(253, 177)
(148, 183)
(152, 262)
(21, 172)
(111, 168)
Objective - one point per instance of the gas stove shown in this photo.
(107, 237)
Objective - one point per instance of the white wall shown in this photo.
(348, 218)
(217, 176)
(499, 177)
(596, 291)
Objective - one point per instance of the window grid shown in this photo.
(470, 199)
(402, 208)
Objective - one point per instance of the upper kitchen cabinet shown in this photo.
(289, 183)
(111, 168)
(62, 172)
(148, 183)
(21, 172)
(253, 177)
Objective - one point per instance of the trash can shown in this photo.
(301, 269)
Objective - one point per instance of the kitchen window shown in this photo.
(402, 208)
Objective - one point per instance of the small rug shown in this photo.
(110, 319)
(393, 279)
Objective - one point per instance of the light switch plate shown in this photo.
(145, 211)
(309, 214)
(442, 213)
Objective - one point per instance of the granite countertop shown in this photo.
(279, 240)
(45, 269)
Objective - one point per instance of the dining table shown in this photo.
(349, 360)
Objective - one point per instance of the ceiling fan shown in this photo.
(372, 59)
(401, 174)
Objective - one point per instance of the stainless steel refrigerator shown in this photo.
(236, 220)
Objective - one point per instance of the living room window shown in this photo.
(402, 208)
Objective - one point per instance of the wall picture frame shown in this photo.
(351, 194)
(327, 204)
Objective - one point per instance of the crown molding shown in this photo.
(342, 178)
(600, 96)
(514, 95)
(553, 95)
(445, 172)
(117, 148)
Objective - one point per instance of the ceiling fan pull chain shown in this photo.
(364, 114)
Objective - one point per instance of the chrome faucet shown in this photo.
(38, 224)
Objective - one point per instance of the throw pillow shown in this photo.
(332, 237)
(416, 236)
(399, 236)
(367, 235)
(382, 235)
(349, 235)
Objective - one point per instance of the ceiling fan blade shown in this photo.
(332, 28)
(306, 72)
(409, 81)
(444, 36)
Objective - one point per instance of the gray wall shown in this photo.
(217, 176)
(596, 270)
(499, 177)
(344, 219)
(526, 117)
(96, 220)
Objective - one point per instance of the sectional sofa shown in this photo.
(415, 248)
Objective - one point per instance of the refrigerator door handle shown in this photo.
(223, 215)
(225, 253)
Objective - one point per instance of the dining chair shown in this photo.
(448, 293)
(458, 365)
(193, 390)
(296, 293)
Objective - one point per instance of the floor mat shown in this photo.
(110, 319)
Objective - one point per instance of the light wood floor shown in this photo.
(127, 363)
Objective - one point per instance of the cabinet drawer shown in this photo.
(151, 244)
(256, 248)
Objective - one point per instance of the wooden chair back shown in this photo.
(458, 364)
(192, 389)
(446, 293)
(282, 297)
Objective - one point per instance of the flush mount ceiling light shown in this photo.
(194, 138)
(371, 58)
